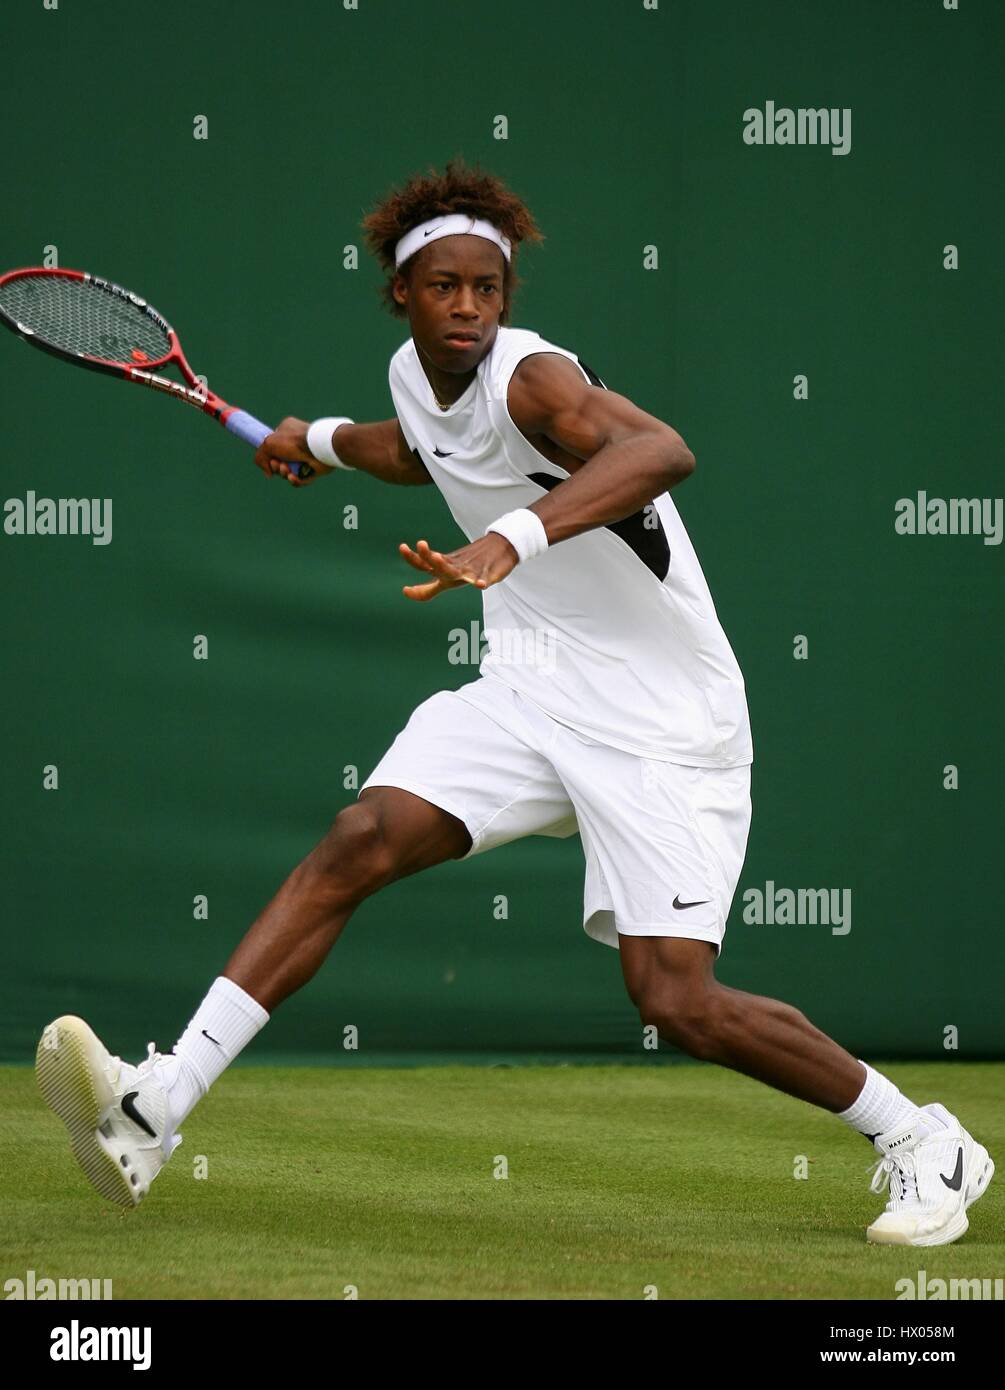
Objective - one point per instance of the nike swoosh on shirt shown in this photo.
(129, 1109)
(678, 904)
(441, 455)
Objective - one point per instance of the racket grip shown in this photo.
(252, 431)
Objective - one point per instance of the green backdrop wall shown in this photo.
(180, 777)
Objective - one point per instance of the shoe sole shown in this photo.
(960, 1224)
(74, 1088)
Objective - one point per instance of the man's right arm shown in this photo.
(379, 449)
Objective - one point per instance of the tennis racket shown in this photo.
(93, 323)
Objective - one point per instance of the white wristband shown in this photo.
(524, 530)
(319, 440)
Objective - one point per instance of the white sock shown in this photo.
(222, 1026)
(880, 1107)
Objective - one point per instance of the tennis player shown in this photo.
(609, 703)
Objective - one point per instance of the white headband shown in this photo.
(452, 225)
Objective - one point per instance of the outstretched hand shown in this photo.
(485, 561)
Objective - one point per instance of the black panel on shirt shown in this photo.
(594, 379)
(650, 544)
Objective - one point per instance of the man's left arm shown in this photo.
(629, 458)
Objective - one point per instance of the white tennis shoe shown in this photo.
(117, 1114)
(932, 1181)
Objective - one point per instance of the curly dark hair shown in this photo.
(457, 189)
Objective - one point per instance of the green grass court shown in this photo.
(677, 1176)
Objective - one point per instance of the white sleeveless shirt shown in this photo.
(613, 632)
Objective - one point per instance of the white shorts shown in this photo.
(664, 842)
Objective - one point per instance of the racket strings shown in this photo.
(86, 317)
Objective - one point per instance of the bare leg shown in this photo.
(670, 979)
(388, 834)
